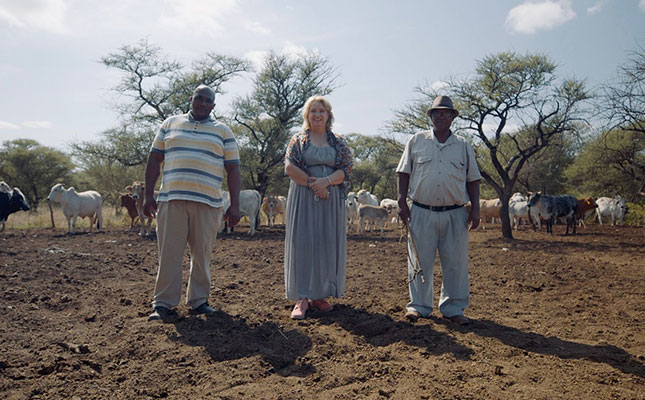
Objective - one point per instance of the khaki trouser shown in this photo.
(447, 232)
(180, 222)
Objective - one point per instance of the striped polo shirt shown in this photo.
(195, 154)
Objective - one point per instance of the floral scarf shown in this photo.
(299, 143)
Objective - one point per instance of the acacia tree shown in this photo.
(542, 172)
(623, 106)
(507, 89)
(264, 120)
(609, 165)
(153, 86)
(623, 98)
(33, 168)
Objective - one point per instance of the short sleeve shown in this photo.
(473, 173)
(405, 163)
(231, 150)
(158, 144)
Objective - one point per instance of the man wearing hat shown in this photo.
(439, 173)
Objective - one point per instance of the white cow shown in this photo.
(392, 207)
(373, 214)
(250, 202)
(365, 197)
(85, 204)
(489, 209)
(613, 208)
(518, 197)
(352, 209)
(518, 208)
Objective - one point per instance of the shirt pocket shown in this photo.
(457, 169)
(421, 171)
(422, 164)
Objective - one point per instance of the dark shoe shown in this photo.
(203, 309)
(412, 315)
(161, 313)
(458, 319)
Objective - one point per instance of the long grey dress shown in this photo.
(316, 234)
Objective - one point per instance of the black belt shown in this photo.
(437, 208)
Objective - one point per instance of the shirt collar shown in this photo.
(451, 139)
(192, 119)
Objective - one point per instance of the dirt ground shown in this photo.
(555, 317)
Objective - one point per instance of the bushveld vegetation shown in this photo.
(532, 129)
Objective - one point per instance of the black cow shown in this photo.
(552, 207)
(11, 201)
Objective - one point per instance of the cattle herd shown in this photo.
(364, 211)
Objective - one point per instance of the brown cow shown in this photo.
(129, 203)
(585, 208)
(137, 189)
(272, 206)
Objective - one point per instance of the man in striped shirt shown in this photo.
(195, 151)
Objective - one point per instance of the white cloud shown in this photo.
(203, 17)
(596, 8)
(257, 57)
(531, 16)
(35, 15)
(641, 5)
(37, 124)
(8, 126)
(289, 49)
(256, 27)
(491, 128)
(294, 51)
(437, 86)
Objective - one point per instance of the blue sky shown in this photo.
(54, 90)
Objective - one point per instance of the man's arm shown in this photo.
(404, 184)
(473, 192)
(233, 181)
(153, 169)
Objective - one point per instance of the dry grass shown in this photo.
(111, 218)
(42, 219)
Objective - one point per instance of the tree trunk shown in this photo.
(507, 228)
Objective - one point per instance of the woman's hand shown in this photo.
(319, 187)
(318, 184)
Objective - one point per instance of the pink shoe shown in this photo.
(321, 305)
(300, 309)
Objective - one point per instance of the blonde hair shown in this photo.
(305, 111)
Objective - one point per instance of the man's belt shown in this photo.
(437, 208)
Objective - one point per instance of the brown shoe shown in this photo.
(412, 315)
(458, 319)
(321, 305)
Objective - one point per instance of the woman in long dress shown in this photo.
(319, 164)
